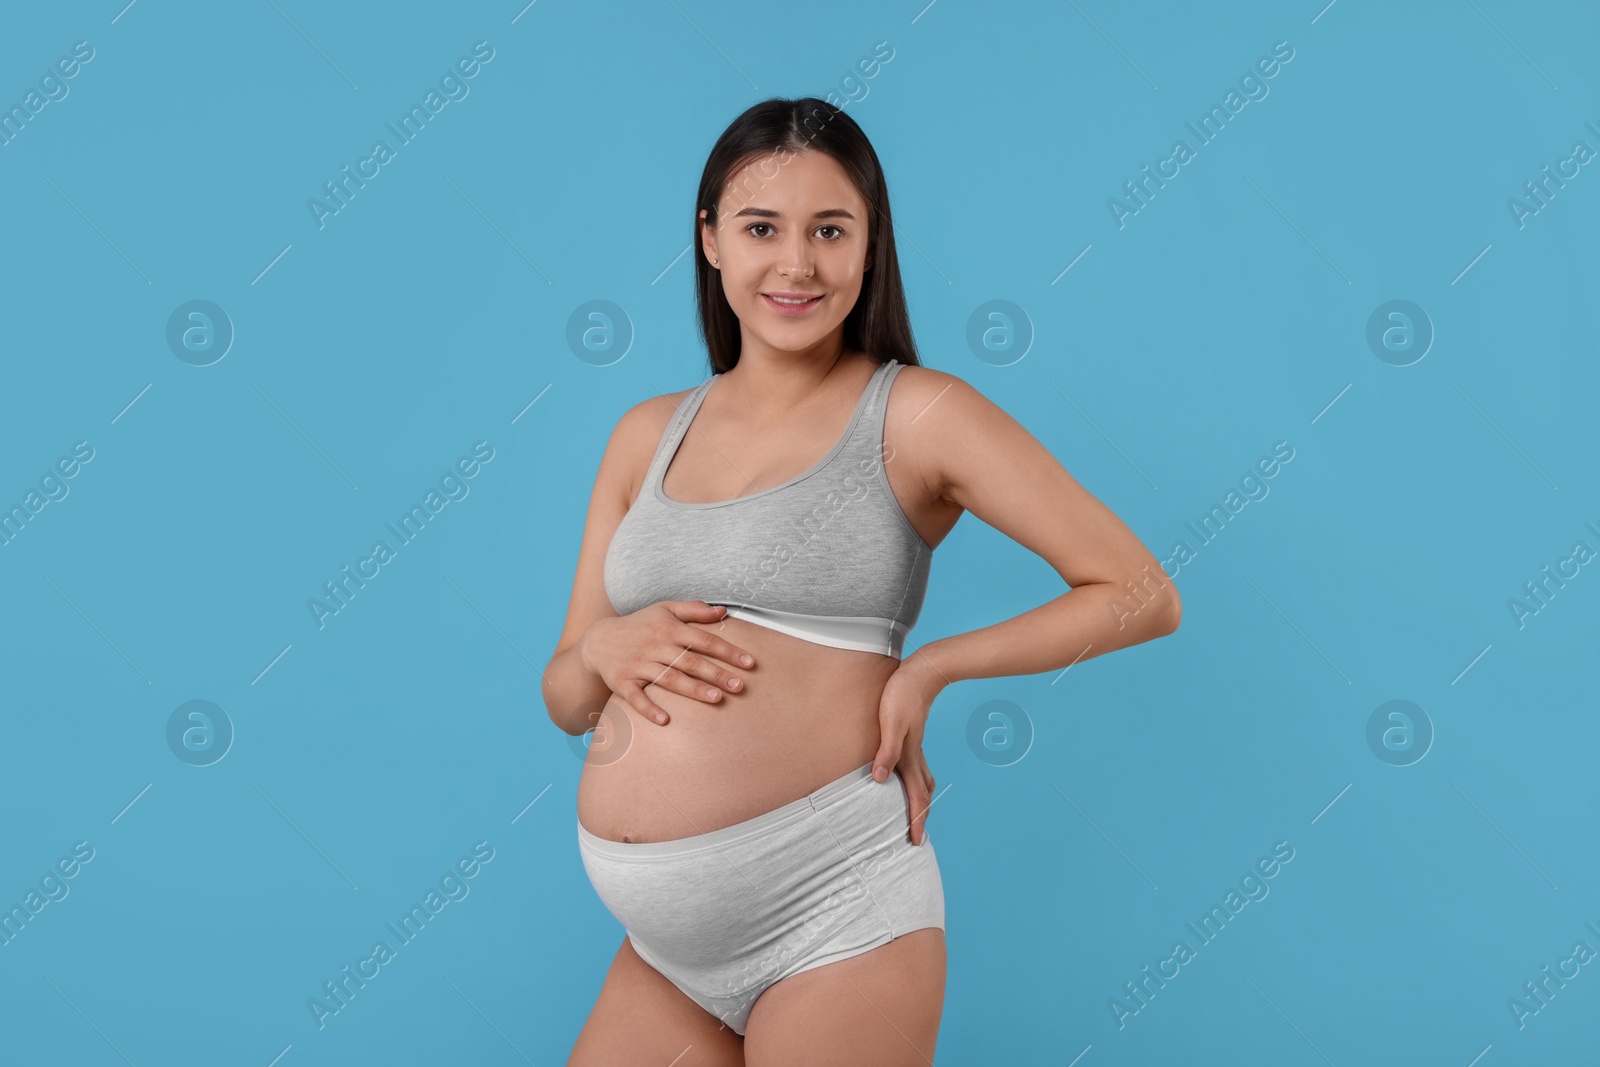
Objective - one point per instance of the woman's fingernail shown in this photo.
(877, 773)
(746, 660)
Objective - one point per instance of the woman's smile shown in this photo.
(791, 304)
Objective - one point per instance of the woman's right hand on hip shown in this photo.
(656, 646)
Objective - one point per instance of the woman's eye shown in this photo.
(750, 229)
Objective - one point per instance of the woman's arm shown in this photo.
(572, 692)
(988, 464)
(657, 645)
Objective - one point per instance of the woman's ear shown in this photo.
(708, 240)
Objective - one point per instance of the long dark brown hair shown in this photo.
(878, 324)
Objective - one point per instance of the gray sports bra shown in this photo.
(828, 556)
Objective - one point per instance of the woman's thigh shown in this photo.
(880, 1008)
(640, 1017)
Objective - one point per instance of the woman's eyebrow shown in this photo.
(768, 213)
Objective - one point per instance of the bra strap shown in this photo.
(872, 419)
(676, 428)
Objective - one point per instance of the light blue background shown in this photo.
(1228, 314)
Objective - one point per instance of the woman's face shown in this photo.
(789, 226)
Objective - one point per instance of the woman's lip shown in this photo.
(791, 309)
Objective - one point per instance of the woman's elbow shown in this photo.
(1174, 613)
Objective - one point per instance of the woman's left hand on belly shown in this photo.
(902, 716)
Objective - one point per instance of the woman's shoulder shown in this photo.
(916, 385)
(639, 432)
(648, 419)
(928, 405)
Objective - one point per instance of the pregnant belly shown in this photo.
(807, 714)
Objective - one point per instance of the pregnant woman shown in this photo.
(756, 552)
